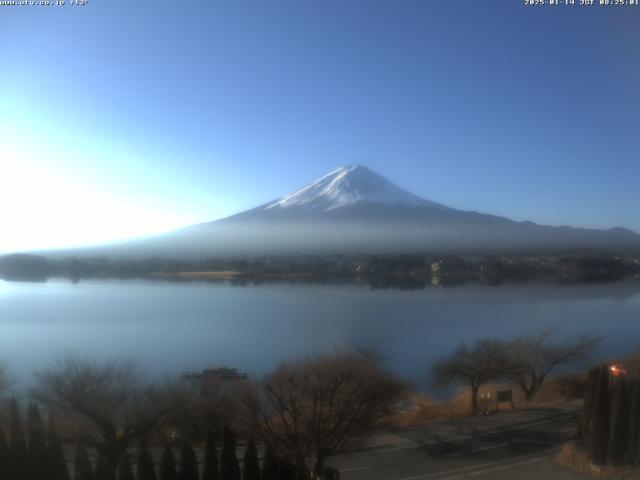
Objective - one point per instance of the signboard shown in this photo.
(505, 396)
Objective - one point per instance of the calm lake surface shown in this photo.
(176, 327)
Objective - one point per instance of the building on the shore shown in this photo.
(211, 381)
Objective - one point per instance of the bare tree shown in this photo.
(5, 378)
(195, 413)
(316, 406)
(105, 401)
(531, 358)
(473, 366)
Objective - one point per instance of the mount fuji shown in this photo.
(346, 186)
(350, 193)
(355, 210)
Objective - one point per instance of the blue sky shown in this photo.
(122, 118)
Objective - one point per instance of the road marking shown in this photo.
(400, 446)
(477, 450)
(482, 465)
(518, 427)
(355, 469)
(428, 475)
(442, 431)
(504, 467)
(491, 470)
(417, 445)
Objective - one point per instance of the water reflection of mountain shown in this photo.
(444, 289)
(596, 286)
(532, 290)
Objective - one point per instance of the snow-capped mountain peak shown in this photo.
(346, 186)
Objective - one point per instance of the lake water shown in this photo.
(176, 327)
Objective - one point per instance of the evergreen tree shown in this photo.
(18, 446)
(104, 471)
(5, 458)
(229, 468)
(125, 472)
(188, 463)
(56, 461)
(146, 468)
(618, 447)
(250, 464)
(270, 465)
(210, 468)
(587, 409)
(83, 469)
(600, 415)
(287, 470)
(168, 469)
(37, 444)
(634, 425)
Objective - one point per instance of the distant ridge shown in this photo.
(355, 210)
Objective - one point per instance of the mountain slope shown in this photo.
(347, 186)
(349, 194)
(355, 210)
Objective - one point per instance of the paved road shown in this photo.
(514, 444)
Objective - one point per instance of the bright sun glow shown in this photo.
(41, 208)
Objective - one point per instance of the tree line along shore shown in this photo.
(490, 268)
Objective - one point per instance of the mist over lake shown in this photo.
(175, 327)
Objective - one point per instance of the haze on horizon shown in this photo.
(194, 113)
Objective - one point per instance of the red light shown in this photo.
(617, 370)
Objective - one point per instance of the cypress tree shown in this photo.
(587, 409)
(287, 470)
(599, 429)
(250, 464)
(104, 471)
(146, 468)
(56, 461)
(618, 447)
(83, 469)
(168, 469)
(210, 468)
(270, 465)
(229, 468)
(18, 446)
(634, 425)
(188, 463)
(5, 458)
(37, 444)
(125, 472)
